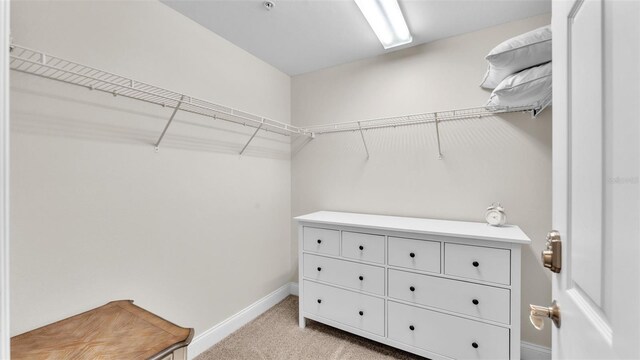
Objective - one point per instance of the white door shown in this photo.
(596, 157)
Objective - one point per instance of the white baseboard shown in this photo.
(213, 335)
(529, 351)
(293, 288)
(207, 339)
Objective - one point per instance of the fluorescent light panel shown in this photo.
(386, 20)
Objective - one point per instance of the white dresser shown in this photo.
(440, 289)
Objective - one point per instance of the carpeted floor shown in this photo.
(275, 335)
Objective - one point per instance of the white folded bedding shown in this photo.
(528, 88)
(518, 53)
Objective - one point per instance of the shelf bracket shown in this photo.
(363, 140)
(251, 138)
(438, 136)
(175, 110)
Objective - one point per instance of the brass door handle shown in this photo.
(537, 314)
(552, 255)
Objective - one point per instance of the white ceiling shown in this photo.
(298, 36)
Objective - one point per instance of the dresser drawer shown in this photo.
(365, 247)
(322, 241)
(482, 301)
(362, 277)
(414, 254)
(446, 335)
(478, 263)
(347, 307)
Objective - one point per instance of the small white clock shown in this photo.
(495, 215)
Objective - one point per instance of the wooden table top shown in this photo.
(117, 330)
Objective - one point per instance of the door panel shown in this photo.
(585, 126)
(596, 157)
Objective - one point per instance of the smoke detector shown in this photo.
(268, 4)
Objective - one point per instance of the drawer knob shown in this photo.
(411, 327)
(361, 247)
(475, 264)
(361, 277)
(475, 302)
(361, 312)
(319, 301)
(475, 345)
(319, 268)
(412, 255)
(412, 288)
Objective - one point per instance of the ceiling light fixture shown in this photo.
(386, 20)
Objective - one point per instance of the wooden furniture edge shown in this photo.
(157, 356)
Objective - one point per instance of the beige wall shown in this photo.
(195, 232)
(502, 158)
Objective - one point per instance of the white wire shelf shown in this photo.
(416, 119)
(38, 63)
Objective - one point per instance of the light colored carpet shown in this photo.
(275, 335)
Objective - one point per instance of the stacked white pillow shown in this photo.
(520, 71)
(530, 88)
